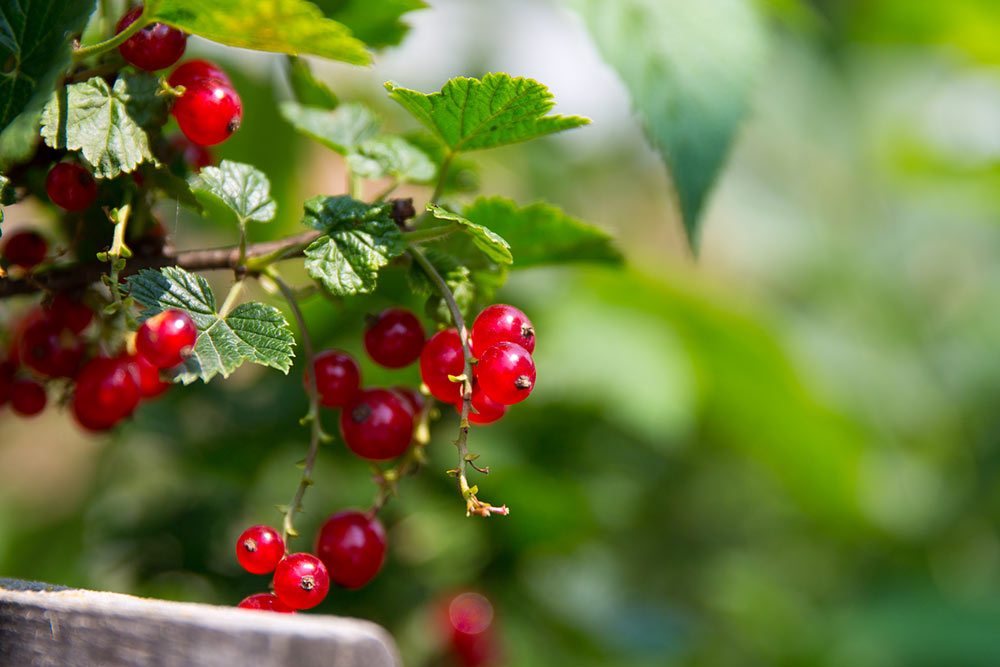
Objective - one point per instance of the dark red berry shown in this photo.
(154, 47)
(352, 546)
(27, 397)
(106, 392)
(265, 602)
(25, 249)
(48, 348)
(70, 186)
(338, 378)
(501, 323)
(301, 581)
(259, 549)
(506, 373)
(376, 425)
(7, 370)
(208, 111)
(470, 618)
(412, 398)
(395, 338)
(191, 71)
(484, 409)
(147, 376)
(70, 313)
(442, 356)
(166, 338)
(194, 156)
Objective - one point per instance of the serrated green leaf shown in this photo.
(491, 243)
(689, 67)
(285, 26)
(469, 114)
(235, 189)
(346, 259)
(377, 24)
(34, 48)
(308, 90)
(105, 124)
(393, 156)
(542, 234)
(340, 130)
(251, 332)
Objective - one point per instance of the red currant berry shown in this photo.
(195, 157)
(442, 356)
(106, 393)
(48, 348)
(191, 71)
(25, 249)
(154, 47)
(301, 581)
(413, 400)
(208, 111)
(352, 546)
(338, 378)
(70, 186)
(265, 602)
(506, 373)
(71, 314)
(27, 397)
(376, 425)
(470, 617)
(484, 409)
(7, 370)
(501, 323)
(395, 338)
(146, 375)
(259, 549)
(166, 339)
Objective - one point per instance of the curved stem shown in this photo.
(430, 233)
(94, 49)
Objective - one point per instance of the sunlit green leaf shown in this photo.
(242, 189)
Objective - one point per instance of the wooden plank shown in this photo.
(51, 625)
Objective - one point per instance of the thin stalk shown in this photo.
(85, 52)
(231, 298)
(430, 233)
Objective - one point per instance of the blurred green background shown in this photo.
(783, 453)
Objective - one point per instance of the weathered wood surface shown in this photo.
(51, 625)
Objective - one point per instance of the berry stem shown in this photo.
(231, 298)
(472, 504)
(387, 480)
(84, 52)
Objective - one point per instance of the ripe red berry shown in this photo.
(442, 356)
(506, 373)
(259, 549)
(70, 186)
(352, 546)
(48, 348)
(106, 392)
(265, 602)
(147, 376)
(166, 339)
(188, 72)
(301, 581)
(70, 313)
(501, 323)
(208, 111)
(395, 338)
(469, 626)
(154, 47)
(194, 156)
(27, 397)
(484, 409)
(338, 378)
(376, 425)
(7, 370)
(412, 399)
(25, 249)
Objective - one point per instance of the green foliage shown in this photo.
(308, 90)
(358, 240)
(456, 276)
(341, 129)
(541, 234)
(34, 47)
(234, 189)
(470, 114)
(105, 124)
(285, 26)
(390, 155)
(377, 24)
(490, 243)
(689, 67)
(250, 332)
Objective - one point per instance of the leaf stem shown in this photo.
(94, 49)
(231, 298)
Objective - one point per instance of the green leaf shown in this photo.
(106, 124)
(463, 174)
(173, 187)
(340, 130)
(20, 138)
(6, 196)
(689, 67)
(359, 239)
(238, 189)
(308, 90)
(34, 48)
(456, 276)
(492, 244)
(251, 332)
(393, 156)
(541, 234)
(469, 114)
(285, 26)
(377, 24)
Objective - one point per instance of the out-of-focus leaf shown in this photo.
(308, 90)
(377, 23)
(492, 244)
(341, 129)
(389, 155)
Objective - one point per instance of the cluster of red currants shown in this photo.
(349, 551)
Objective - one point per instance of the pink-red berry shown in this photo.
(154, 47)
(48, 348)
(147, 375)
(194, 156)
(338, 378)
(25, 249)
(106, 392)
(259, 549)
(413, 399)
(301, 581)
(208, 112)
(7, 371)
(265, 602)
(70, 186)
(484, 409)
(394, 338)
(352, 546)
(70, 313)
(506, 373)
(442, 356)
(376, 425)
(167, 338)
(501, 323)
(27, 397)
(191, 71)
